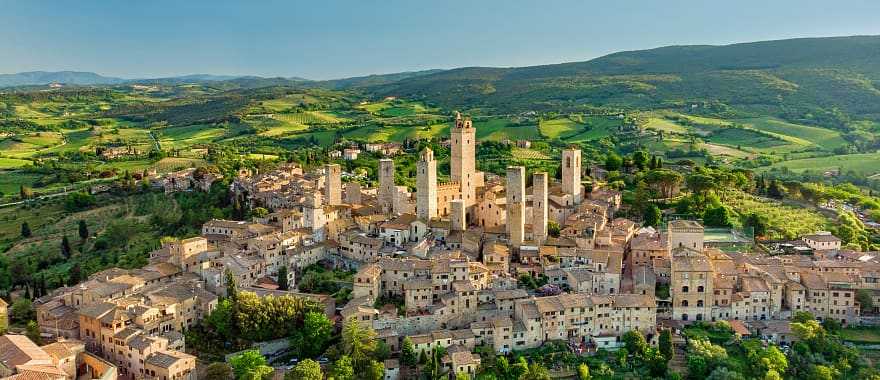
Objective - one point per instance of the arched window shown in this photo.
(699, 317)
(684, 317)
(699, 303)
(700, 289)
(684, 303)
(684, 289)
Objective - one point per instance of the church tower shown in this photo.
(462, 163)
(426, 186)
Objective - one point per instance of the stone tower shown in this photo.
(539, 207)
(462, 162)
(387, 189)
(333, 184)
(457, 215)
(353, 193)
(516, 203)
(313, 213)
(426, 186)
(571, 174)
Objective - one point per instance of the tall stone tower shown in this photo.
(462, 163)
(426, 185)
(457, 215)
(387, 189)
(333, 184)
(539, 207)
(353, 193)
(571, 173)
(313, 213)
(516, 203)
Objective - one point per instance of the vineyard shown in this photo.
(784, 222)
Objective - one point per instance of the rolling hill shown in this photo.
(798, 78)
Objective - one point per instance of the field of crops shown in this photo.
(528, 154)
(864, 164)
(597, 127)
(822, 137)
(180, 137)
(308, 118)
(498, 129)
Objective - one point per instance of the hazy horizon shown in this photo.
(338, 40)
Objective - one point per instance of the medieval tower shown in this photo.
(571, 174)
(333, 184)
(516, 204)
(462, 163)
(539, 207)
(387, 189)
(426, 186)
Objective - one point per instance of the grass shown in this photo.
(498, 129)
(745, 138)
(863, 164)
(180, 137)
(599, 127)
(864, 335)
(13, 163)
(722, 150)
(665, 125)
(822, 137)
(558, 128)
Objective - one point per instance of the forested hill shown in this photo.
(797, 77)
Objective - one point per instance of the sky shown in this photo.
(329, 39)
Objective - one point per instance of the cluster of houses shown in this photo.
(454, 264)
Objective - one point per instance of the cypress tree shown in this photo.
(65, 247)
(25, 230)
(83, 230)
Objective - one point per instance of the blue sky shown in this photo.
(331, 39)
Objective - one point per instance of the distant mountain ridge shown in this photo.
(794, 76)
(33, 78)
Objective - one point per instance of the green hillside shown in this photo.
(813, 80)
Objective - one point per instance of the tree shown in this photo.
(717, 217)
(219, 371)
(305, 370)
(32, 331)
(357, 342)
(83, 230)
(74, 275)
(423, 357)
(635, 343)
(25, 230)
(652, 216)
(375, 371)
(65, 247)
(583, 372)
(665, 344)
(723, 373)
(408, 353)
(283, 283)
(757, 222)
(231, 286)
(250, 365)
(343, 369)
(462, 376)
(866, 302)
(536, 372)
(25, 192)
(553, 229)
(613, 162)
(22, 311)
(640, 159)
(317, 331)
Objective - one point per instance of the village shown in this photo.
(459, 264)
